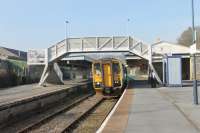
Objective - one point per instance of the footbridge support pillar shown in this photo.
(151, 67)
(52, 74)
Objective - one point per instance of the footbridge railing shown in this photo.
(95, 44)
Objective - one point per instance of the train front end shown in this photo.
(107, 77)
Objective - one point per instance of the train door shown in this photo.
(107, 73)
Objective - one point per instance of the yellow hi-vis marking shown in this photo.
(107, 75)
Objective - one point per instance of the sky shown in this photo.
(37, 24)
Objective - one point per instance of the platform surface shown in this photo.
(12, 94)
(155, 110)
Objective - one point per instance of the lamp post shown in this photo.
(66, 34)
(127, 27)
(195, 89)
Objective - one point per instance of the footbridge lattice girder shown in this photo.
(95, 44)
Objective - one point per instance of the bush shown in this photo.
(14, 80)
(12, 73)
(8, 79)
(4, 78)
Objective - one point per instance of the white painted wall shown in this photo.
(166, 48)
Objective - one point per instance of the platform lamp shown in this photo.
(193, 52)
(127, 27)
(66, 34)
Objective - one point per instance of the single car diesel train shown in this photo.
(109, 76)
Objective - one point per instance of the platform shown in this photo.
(18, 93)
(155, 110)
(15, 102)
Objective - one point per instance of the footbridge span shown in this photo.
(85, 46)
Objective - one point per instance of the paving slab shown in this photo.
(182, 98)
(118, 121)
(152, 112)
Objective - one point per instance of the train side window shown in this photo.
(97, 68)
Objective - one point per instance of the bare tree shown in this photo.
(186, 37)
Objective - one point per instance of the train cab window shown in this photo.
(116, 68)
(97, 68)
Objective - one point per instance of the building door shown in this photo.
(185, 68)
(174, 70)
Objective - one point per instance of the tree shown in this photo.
(186, 37)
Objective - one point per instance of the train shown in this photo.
(109, 76)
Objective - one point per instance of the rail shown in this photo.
(66, 117)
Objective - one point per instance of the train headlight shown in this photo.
(98, 84)
(117, 83)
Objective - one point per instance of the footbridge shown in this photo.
(86, 46)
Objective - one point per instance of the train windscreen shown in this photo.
(97, 68)
(116, 68)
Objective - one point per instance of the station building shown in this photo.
(12, 59)
(13, 64)
(160, 52)
(163, 50)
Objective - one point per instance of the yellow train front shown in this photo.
(109, 76)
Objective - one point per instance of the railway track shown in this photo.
(92, 122)
(41, 116)
(85, 114)
(64, 119)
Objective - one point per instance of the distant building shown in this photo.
(169, 47)
(13, 65)
(7, 53)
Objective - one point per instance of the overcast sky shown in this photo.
(30, 24)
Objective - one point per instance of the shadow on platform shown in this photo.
(138, 84)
